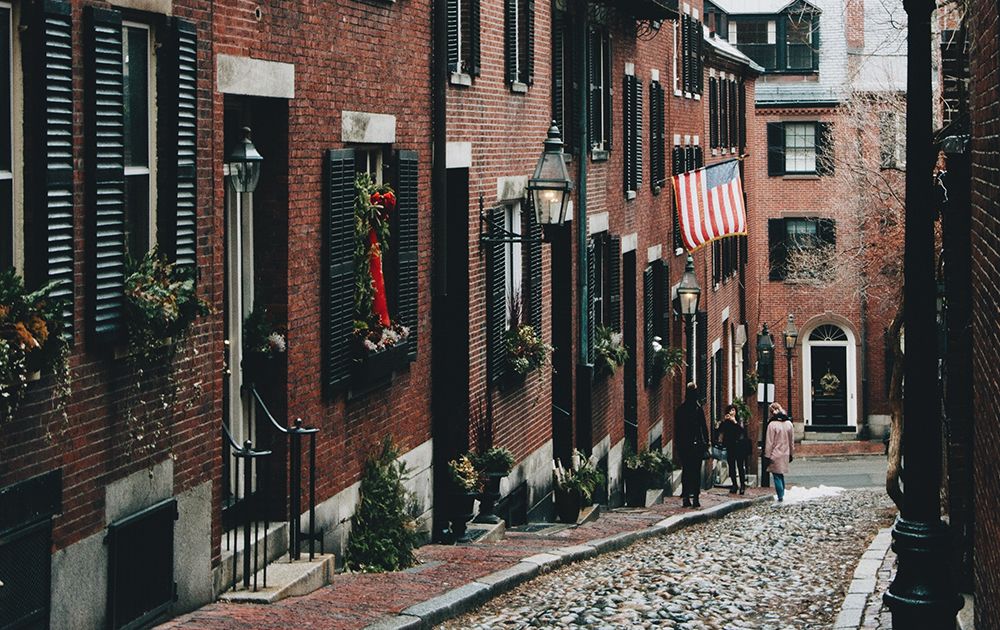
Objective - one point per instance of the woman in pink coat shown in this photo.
(780, 440)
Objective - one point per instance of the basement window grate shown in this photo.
(141, 584)
(24, 596)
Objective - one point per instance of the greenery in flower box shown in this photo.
(383, 530)
(667, 361)
(495, 460)
(610, 352)
(261, 336)
(653, 462)
(161, 305)
(526, 352)
(31, 339)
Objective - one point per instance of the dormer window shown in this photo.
(788, 42)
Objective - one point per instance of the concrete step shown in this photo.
(811, 448)
(827, 436)
(232, 544)
(486, 532)
(285, 578)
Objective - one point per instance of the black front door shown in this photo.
(562, 339)
(829, 385)
(629, 330)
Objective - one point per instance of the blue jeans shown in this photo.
(779, 485)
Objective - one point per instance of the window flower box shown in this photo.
(376, 366)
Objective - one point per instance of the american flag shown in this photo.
(710, 204)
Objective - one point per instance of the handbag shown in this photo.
(718, 452)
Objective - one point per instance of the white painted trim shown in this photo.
(597, 223)
(458, 155)
(716, 345)
(687, 138)
(164, 7)
(696, 140)
(367, 128)
(630, 242)
(629, 69)
(654, 74)
(725, 314)
(677, 139)
(512, 188)
(254, 77)
(654, 253)
(851, 373)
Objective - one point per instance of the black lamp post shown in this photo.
(689, 292)
(765, 377)
(791, 335)
(922, 594)
(244, 165)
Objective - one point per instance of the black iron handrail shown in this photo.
(295, 433)
(246, 454)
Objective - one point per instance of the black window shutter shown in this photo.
(742, 123)
(453, 34)
(824, 149)
(826, 231)
(177, 129)
(496, 301)
(614, 289)
(702, 349)
(474, 38)
(689, 159)
(49, 124)
(533, 266)
(591, 304)
(775, 149)
(815, 42)
(407, 241)
(594, 113)
(105, 159)
(648, 322)
(686, 53)
(713, 113)
(528, 71)
(657, 149)
(697, 38)
(637, 133)
(558, 76)
(777, 248)
(699, 156)
(663, 289)
(338, 246)
(724, 141)
(734, 131)
(510, 40)
(608, 126)
(628, 129)
(677, 167)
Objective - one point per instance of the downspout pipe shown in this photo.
(439, 143)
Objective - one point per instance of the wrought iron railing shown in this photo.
(244, 500)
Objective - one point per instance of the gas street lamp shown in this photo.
(689, 292)
(550, 186)
(791, 335)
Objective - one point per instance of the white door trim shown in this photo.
(852, 373)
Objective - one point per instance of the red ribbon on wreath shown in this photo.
(380, 307)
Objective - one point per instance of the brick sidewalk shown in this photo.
(427, 592)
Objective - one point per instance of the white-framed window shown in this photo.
(519, 17)
(11, 208)
(139, 81)
(800, 147)
(371, 159)
(600, 97)
(513, 267)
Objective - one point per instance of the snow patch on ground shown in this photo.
(800, 494)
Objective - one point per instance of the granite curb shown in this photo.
(475, 593)
(864, 582)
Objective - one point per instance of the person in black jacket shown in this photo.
(733, 438)
(691, 444)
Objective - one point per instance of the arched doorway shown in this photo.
(829, 388)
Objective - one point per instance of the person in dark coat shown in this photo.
(733, 438)
(690, 444)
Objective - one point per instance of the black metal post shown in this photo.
(921, 595)
(312, 494)
(788, 409)
(295, 490)
(689, 332)
(247, 448)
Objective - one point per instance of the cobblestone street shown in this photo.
(767, 567)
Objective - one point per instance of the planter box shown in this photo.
(568, 505)
(379, 365)
(636, 485)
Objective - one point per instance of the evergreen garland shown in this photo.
(383, 534)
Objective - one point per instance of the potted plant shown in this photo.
(263, 344)
(526, 352)
(31, 340)
(379, 342)
(667, 361)
(465, 482)
(574, 487)
(644, 471)
(610, 352)
(494, 464)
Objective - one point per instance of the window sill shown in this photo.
(519, 88)
(599, 155)
(630, 195)
(375, 371)
(677, 92)
(697, 97)
(800, 176)
(461, 79)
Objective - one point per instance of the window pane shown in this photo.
(801, 232)
(513, 268)
(799, 42)
(800, 147)
(137, 214)
(135, 45)
(6, 224)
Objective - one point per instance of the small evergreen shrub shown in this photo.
(383, 534)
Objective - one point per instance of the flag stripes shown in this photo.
(709, 204)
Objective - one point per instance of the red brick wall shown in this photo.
(90, 446)
(985, 117)
(347, 57)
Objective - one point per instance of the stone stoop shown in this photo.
(487, 532)
(824, 447)
(286, 578)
